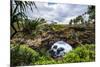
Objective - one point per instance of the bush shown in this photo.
(81, 54)
(71, 57)
(85, 53)
(45, 60)
(22, 55)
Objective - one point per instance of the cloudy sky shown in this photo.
(57, 12)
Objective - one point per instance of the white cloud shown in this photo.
(57, 12)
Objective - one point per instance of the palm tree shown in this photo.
(18, 9)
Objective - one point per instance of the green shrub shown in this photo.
(22, 55)
(45, 60)
(71, 57)
(84, 53)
